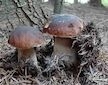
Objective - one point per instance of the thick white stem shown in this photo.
(27, 55)
(62, 47)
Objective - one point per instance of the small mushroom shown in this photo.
(63, 27)
(25, 38)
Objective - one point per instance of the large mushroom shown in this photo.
(63, 27)
(25, 38)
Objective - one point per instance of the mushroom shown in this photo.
(25, 38)
(63, 27)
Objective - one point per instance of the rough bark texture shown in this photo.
(58, 6)
(39, 1)
(95, 2)
(76, 1)
(51, 2)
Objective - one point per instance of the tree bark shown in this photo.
(76, 1)
(51, 2)
(39, 1)
(95, 3)
(58, 5)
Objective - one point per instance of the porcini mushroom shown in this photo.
(25, 38)
(63, 27)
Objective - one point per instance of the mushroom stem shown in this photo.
(62, 47)
(27, 55)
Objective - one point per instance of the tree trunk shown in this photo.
(75, 1)
(95, 3)
(58, 6)
(39, 1)
(51, 2)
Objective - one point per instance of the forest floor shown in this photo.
(90, 14)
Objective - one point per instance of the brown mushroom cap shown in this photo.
(64, 25)
(25, 37)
